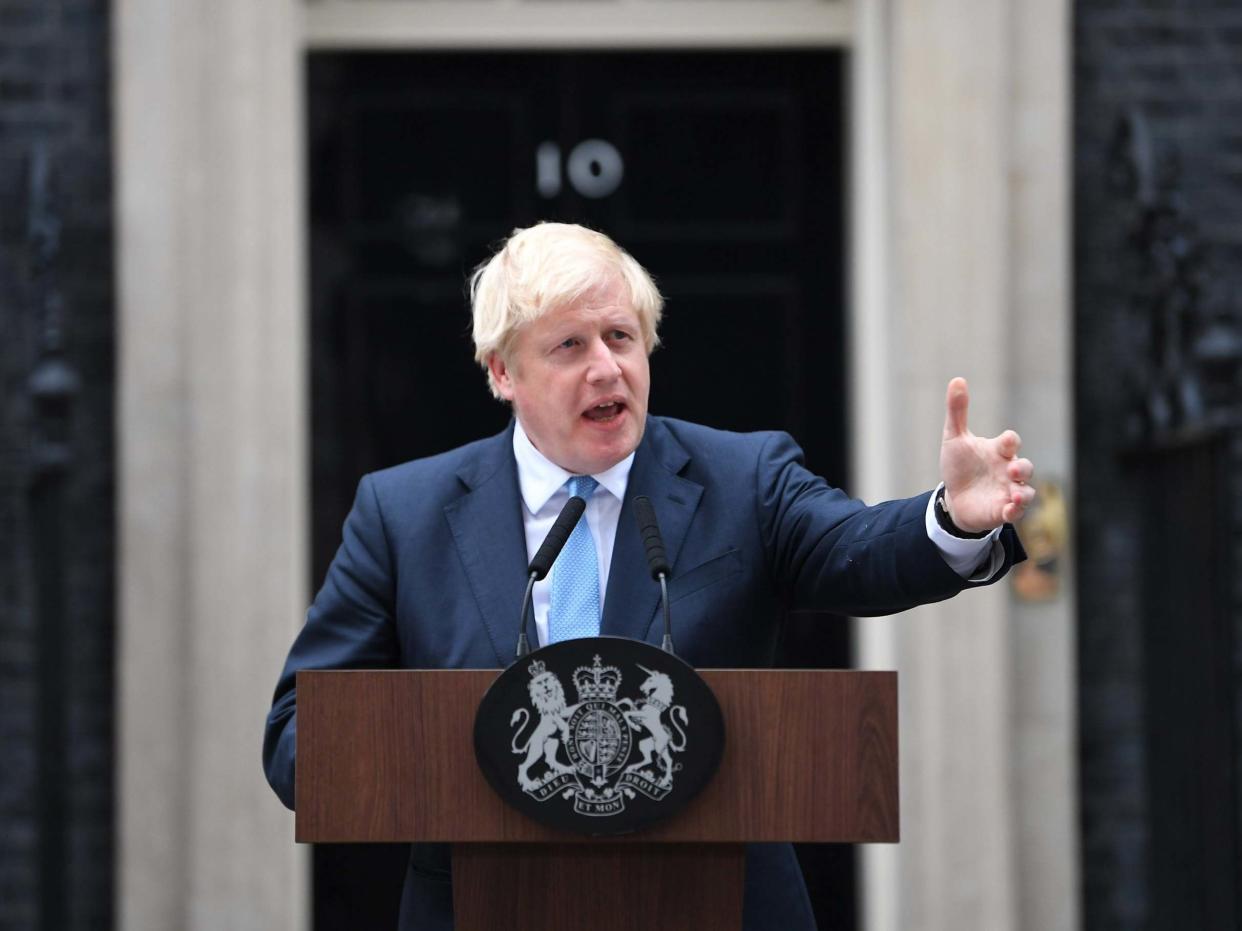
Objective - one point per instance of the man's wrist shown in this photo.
(945, 520)
(975, 560)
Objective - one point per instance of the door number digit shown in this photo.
(594, 167)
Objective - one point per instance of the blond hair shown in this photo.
(546, 267)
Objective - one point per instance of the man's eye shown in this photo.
(568, 343)
(620, 334)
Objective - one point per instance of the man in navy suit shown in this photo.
(432, 562)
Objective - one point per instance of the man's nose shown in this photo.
(602, 365)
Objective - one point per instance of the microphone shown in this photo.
(657, 559)
(649, 530)
(541, 565)
(554, 542)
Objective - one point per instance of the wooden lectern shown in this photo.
(388, 756)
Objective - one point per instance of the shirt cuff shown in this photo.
(974, 560)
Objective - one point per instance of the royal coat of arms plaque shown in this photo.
(600, 735)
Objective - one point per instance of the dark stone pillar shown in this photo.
(56, 473)
(1158, 310)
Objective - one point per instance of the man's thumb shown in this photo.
(956, 401)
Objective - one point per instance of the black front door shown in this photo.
(721, 172)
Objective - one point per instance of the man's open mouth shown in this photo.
(602, 413)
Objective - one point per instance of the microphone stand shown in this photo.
(542, 563)
(667, 645)
(657, 560)
(523, 645)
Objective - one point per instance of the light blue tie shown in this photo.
(573, 610)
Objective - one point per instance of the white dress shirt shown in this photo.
(542, 485)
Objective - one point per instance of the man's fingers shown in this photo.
(1022, 496)
(1008, 443)
(1021, 470)
(956, 400)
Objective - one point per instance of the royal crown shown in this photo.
(536, 668)
(597, 683)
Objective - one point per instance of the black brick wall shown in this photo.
(1179, 64)
(56, 638)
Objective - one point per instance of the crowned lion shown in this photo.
(548, 697)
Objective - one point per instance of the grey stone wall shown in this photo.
(1178, 66)
(56, 451)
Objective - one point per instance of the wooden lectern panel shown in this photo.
(388, 756)
(603, 887)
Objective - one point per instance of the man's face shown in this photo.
(578, 379)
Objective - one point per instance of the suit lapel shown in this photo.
(633, 597)
(487, 529)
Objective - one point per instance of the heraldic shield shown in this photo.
(600, 735)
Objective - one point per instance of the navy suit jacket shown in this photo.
(432, 566)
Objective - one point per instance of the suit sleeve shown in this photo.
(349, 625)
(829, 552)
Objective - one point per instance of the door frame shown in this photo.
(212, 431)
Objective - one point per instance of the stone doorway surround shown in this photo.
(960, 265)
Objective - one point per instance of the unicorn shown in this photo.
(647, 715)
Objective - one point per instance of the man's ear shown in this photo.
(501, 376)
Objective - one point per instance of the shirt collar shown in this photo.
(539, 478)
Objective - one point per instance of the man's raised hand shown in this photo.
(985, 482)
